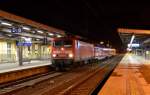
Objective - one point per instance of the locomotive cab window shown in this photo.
(65, 43)
(58, 43)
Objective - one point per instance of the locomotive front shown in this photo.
(62, 52)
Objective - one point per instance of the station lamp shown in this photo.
(147, 52)
(101, 42)
(37, 39)
(131, 42)
(39, 31)
(6, 23)
(132, 38)
(26, 28)
(58, 36)
(51, 34)
(133, 45)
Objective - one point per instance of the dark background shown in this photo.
(97, 20)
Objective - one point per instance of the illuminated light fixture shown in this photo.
(37, 39)
(33, 31)
(133, 45)
(6, 23)
(131, 41)
(26, 28)
(70, 55)
(101, 42)
(23, 37)
(147, 52)
(39, 31)
(58, 36)
(51, 34)
(107, 49)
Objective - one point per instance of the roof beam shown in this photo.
(23, 20)
(133, 31)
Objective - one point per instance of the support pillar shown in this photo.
(19, 52)
(20, 55)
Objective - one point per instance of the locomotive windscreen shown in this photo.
(64, 43)
(58, 43)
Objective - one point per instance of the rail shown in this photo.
(78, 81)
(86, 85)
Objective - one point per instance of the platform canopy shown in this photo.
(134, 31)
(141, 36)
(12, 26)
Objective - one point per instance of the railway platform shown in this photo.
(8, 67)
(13, 71)
(130, 77)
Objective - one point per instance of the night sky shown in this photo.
(96, 20)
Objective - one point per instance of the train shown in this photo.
(69, 51)
(103, 53)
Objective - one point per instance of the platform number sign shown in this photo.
(24, 42)
(16, 30)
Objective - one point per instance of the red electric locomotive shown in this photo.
(69, 50)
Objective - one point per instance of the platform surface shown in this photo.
(130, 77)
(8, 67)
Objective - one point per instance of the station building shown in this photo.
(23, 40)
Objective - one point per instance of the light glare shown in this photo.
(58, 36)
(51, 34)
(39, 31)
(5, 23)
(26, 28)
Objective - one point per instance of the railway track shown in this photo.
(87, 84)
(76, 84)
(38, 84)
(72, 82)
(64, 81)
(24, 80)
(8, 88)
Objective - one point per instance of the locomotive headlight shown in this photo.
(62, 49)
(70, 55)
(54, 55)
